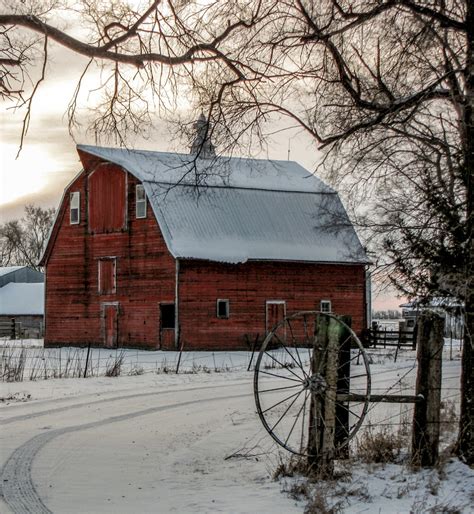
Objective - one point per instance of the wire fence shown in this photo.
(19, 363)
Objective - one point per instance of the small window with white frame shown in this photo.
(75, 208)
(325, 306)
(140, 201)
(222, 308)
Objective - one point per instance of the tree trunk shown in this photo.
(466, 424)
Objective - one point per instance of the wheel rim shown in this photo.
(284, 382)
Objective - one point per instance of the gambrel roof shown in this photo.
(232, 210)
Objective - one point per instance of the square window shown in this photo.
(167, 315)
(107, 276)
(140, 201)
(74, 208)
(222, 308)
(325, 306)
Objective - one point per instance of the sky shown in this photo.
(48, 161)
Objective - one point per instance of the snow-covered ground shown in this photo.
(192, 443)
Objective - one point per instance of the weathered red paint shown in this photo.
(110, 313)
(107, 282)
(107, 199)
(145, 277)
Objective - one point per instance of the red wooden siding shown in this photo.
(107, 199)
(107, 283)
(110, 313)
(249, 286)
(145, 277)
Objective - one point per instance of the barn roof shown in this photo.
(23, 274)
(238, 172)
(9, 269)
(249, 209)
(22, 299)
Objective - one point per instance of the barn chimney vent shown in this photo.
(202, 144)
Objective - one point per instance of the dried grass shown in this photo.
(380, 446)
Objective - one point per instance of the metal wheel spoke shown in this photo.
(303, 427)
(287, 409)
(360, 375)
(350, 360)
(280, 376)
(341, 424)
(296, 348)
(280, 388)
(291, 355)
(283, 366)
(281, 401)
(296, 419)
(350, 410)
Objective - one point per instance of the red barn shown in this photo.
(141, 256)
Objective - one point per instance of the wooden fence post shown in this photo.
(13, 329)
(322, 428)
(426, 417)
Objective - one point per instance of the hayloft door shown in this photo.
(275, 312)
(110, 324)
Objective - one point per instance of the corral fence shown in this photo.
(380, 338)
(11, 329)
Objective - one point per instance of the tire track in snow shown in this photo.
(26, 417)
(17, 487)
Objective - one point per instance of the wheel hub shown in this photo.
(315, 383)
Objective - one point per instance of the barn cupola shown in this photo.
(202, 145)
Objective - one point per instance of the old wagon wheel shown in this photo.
(312, 377)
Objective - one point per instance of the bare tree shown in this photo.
(144, 56)
(385, 88)
(22, 241)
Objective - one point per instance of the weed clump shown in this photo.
(114, 367)
(382, 446)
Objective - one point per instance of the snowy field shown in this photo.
(153, 441)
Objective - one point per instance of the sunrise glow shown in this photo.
(27, 174)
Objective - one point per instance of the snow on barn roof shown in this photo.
(249, 209)
(22, 299)
(9, 269)
(174, 168)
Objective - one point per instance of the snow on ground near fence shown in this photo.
(192, 442)
(45, 363)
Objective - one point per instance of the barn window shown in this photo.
(107, 275)
(140, 201)
(75, 208)
(222, 308)
(325, 306)
(167, 315)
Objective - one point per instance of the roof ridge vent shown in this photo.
(202, 145)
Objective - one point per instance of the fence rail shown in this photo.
(11, 329)
(389, 338)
